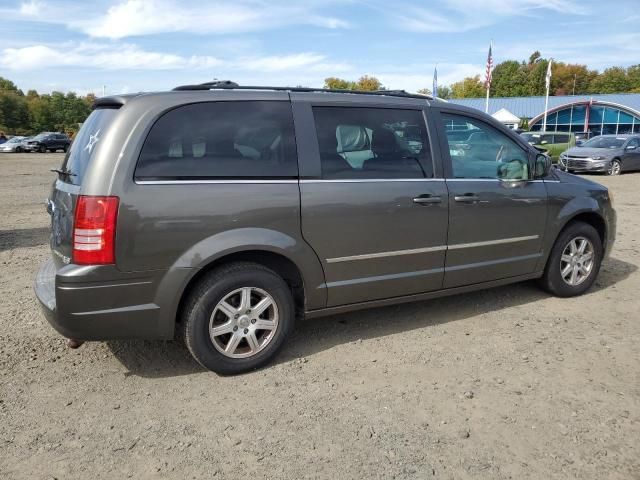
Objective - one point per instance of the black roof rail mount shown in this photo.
(229, 85)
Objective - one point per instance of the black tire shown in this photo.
(615, 168)
(42, 149)
(552, 280)
(65, 148)
(211, 290)
(18, 149)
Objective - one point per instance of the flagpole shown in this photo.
(486, 103)
(488, 76)
(546, 98)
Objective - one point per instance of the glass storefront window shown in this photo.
(602, 120)
(564, 116)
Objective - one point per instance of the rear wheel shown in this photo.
(42, 149)
(574, 261)
(237, 318)
(615, 168)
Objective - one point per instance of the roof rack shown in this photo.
(229, 85)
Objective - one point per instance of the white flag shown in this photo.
(547, 79)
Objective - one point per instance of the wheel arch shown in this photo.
(279, 263)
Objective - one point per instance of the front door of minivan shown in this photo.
(497, 215)
(372, 208)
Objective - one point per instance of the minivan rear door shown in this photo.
(67, 187)
(373, 207)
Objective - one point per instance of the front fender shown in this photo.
(216, 247)
(563, 209)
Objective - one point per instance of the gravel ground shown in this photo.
(504, 383)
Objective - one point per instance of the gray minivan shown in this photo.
(223, 213)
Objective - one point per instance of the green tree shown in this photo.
(335, 83)
(365, 82)
(509, 79)
(369, 84)
(612, 80)
(470, 87)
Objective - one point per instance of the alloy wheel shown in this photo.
(577, 261)
(614, 168)
(244, 322)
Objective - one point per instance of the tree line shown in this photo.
(513, 78)
(31, 113)
(26, 114)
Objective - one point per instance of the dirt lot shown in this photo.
(505, 383)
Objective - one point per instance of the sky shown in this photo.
(142, 45)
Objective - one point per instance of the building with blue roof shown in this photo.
(592, 115)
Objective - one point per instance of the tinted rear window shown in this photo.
(225, 140)
(85, 143)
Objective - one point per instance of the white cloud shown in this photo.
(132, 57)
(464, 15)
(31, 8)
(128, 18)
(283, 62)
(105, 57)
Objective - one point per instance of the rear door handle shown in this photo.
(427, 200)
(467, 198)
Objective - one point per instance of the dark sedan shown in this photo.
(48, 142)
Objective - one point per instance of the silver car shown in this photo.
(611, 154)
(13, 145)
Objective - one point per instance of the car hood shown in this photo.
(593, 152)
(566, 177)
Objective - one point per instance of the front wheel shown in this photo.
(42, 149)
(237, 318)
(574, 261)
(615, 168)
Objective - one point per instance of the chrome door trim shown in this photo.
(207, 182)
(370, 180)
(368, 256)
(500, 241)
(413, 251)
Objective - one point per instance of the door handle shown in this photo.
(427, 200)
(467, 198)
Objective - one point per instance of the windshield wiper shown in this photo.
(62, 171)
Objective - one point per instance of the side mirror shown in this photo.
(542, 165)
(579, 143)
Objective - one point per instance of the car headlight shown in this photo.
(597, 158)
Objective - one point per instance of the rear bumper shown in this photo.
(79, 305)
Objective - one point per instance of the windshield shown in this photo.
(605, 142)
(86, 143)
(15, 140)
(40, 136)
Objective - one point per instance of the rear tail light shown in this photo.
(94, 230)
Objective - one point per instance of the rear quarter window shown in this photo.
(221, 140)
(84, 145)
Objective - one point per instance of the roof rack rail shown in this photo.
(229, 85)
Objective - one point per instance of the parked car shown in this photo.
(611, 154)
(226, 213)
(554, 143)
(48, 142)
(14, 144)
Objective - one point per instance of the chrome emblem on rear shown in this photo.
(93, 139)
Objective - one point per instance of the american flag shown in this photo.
(487, 76)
